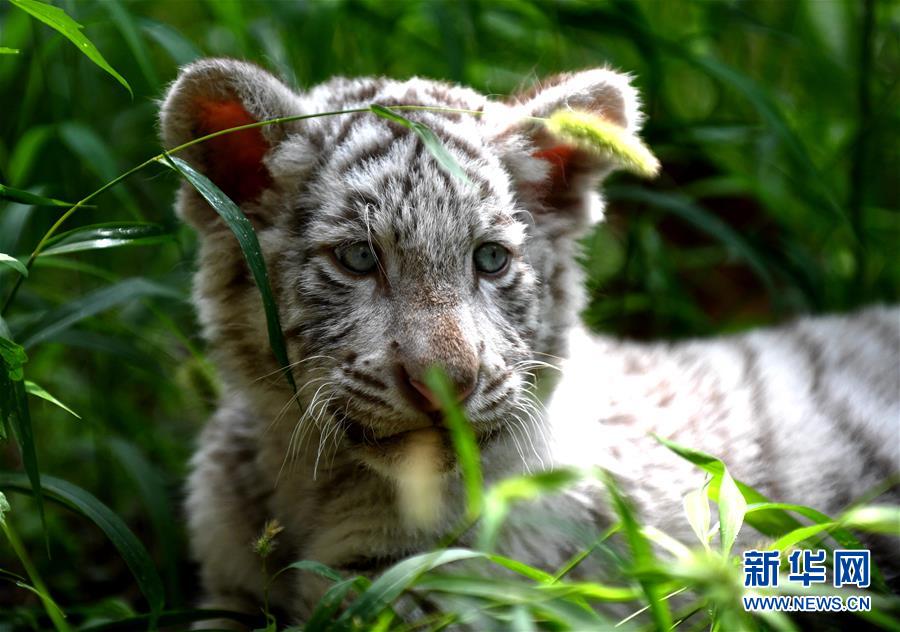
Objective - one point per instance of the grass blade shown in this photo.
(243, 231)
(109, 235)
(92, 304)
(131, 549)
(27, 197)
(38, 391)
(641, 553)
(394, 581)
(463, 440)
(57, 19)
(432, 143)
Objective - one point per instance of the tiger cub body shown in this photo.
(383, 264)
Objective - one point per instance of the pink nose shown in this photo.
(423, 398)
(431, 400)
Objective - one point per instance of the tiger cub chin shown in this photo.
(383, 264)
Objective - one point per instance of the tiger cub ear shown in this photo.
(553, 174)
(211, 95)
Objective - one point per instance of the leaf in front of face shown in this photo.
(57, 19)
(243, 231)
(108, 235)
(432, 143)
(463, 439)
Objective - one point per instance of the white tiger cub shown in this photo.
(382, 265)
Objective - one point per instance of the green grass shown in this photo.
(776, 125)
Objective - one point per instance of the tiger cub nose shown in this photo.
(424, 399)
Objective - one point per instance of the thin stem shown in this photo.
(53, 611)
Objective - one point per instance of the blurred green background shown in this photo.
(776, 124)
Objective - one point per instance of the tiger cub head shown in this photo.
(382, 261)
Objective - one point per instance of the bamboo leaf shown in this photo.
(58, 20)
(394, 581)
(13, 263)
(129, 547)
(109, 235)
(432, 143)
(27, 197)
(243, 231)
(34, 389)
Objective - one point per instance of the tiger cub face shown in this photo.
(382, 262)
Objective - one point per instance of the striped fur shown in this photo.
(808, 412)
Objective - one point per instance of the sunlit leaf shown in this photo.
(13, 263)
(110, 235)
(57, 19)
(432, 143)
(34, 389)
(732, 507)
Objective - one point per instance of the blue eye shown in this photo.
(356, 257)
(491, 258)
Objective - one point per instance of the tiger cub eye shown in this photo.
(356, 257)
(491, 258)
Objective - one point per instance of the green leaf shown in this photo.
(311, 566)
(771, 523)
(463, 439)
(108, 235)
(4, 50)
(27, 197)
(243, 231)
(4, 508)
(500, 498)
(874, 519)
(732, 508)
(13, 357)
(129, 547)
(16, 416)
(641, 554)
(13, 263)
(33, 389)
(432, 143)
(57, 19)
(328, 605)
(92, 304)
(394, 581)
(696, 508)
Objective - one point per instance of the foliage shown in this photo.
(776, 126)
